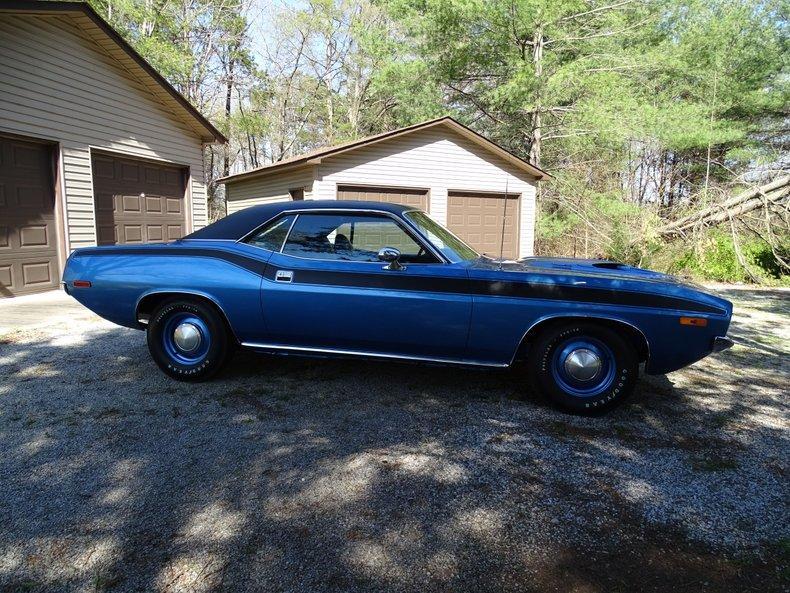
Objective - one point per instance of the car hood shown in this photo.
(568, 265)
(593, 274)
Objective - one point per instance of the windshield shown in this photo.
(451, 246)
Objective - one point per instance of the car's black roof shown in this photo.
(238, 224)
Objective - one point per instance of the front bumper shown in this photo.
(722, 343)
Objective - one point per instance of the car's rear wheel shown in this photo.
(584, 368)
(188, 339)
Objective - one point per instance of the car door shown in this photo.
(326, 289)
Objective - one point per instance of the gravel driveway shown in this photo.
(304, 475)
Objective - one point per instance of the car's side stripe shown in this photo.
(399, 281)
(529, 290)
(252, 264)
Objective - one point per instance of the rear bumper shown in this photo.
(722, 343)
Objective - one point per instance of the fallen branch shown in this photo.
(767, 195)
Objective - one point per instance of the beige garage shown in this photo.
(440, 166)
(96, 147)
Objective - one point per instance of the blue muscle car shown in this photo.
(334, 278)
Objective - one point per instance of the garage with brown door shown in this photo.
(28, 228)
(137, 201)
(418, 198)
(477, 219)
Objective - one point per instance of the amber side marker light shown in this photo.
(81, 284)
(695, 321)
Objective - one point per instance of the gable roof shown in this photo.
(316, 156)
(111, 42)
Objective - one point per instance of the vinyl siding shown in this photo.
(264, 190)
(437, 159)
(61, 86)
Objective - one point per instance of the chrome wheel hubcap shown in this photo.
(187, 337)
(583, 364)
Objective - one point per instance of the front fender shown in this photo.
(499, 326)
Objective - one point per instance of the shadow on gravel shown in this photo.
(304, 475)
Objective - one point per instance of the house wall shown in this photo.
(437, 159)
(58, 85)
(273, 188)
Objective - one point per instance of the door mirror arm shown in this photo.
(392, 257)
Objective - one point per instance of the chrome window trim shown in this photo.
(211, 240)
(259, 227)
(352, 261)
(402, 222)
(288, 234)
(370, 354)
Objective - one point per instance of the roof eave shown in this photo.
(535, 172)
(264, 172)
(82, 8)
(318, 158)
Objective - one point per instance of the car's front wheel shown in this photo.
(188, 339)
(583, 367)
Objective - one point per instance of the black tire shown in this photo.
(214, 342)
(548, 367)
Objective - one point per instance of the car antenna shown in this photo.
(502, 236)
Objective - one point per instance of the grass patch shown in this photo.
(108, 413)
(105, 582)
(502, 437)
(623, 432)
(713, 464)
(719, 420)
(24, 585)
(567, 432)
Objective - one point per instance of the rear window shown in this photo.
(272, 236)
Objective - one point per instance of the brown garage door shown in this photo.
(408, 197)
(137, 201)
(28, 233)
(477, 219)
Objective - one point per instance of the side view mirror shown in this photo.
(392, 257)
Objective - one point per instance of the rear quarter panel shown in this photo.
(119, 282)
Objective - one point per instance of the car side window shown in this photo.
(272, 235)
(352, 237)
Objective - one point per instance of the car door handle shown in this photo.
(284, 276)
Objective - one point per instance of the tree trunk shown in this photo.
(537, 62)
(228, 105)
(710, 131)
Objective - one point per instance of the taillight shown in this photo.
(81, 284)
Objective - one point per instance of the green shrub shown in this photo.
(621, 248)
(714, 258)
